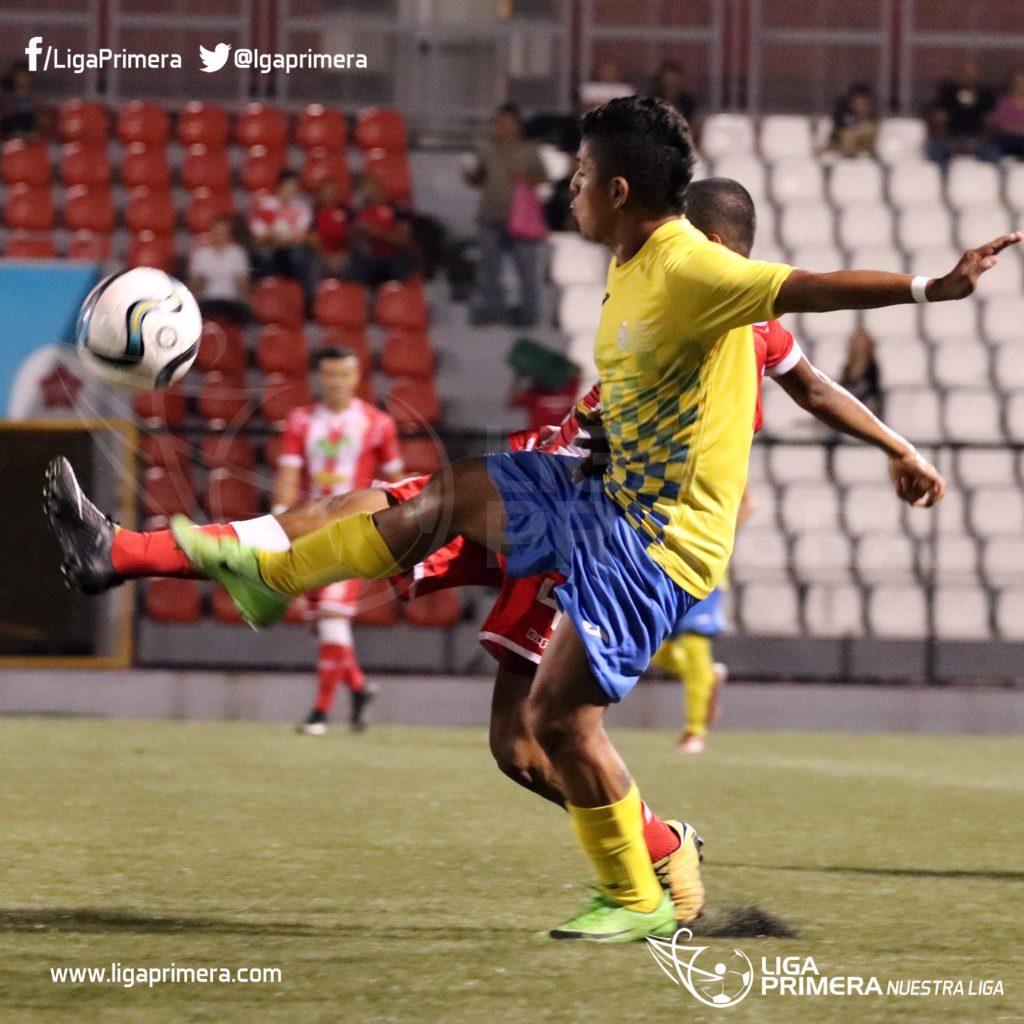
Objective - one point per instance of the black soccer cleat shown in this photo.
(315, 723)
(361, 699)
(84, 533)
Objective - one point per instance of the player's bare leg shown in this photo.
(303, 519)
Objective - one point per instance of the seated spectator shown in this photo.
(218, 274)
(280, 228)
(669, 84)
(855, 123)
(331, 229)
(860, 375)
(18, 117)
(956, 117)
(1007, 122)
(606, 84)
(382, 247)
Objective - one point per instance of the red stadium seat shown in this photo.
(377, 605)
(161, 408)
(229, 451)
(78, 121)
(281, 394)
(366, 390)
(272, 450)
(262, 168)
(224, 609)
(413, 404)
(26, 161)
(421, 455)
(148, 249)
(439, 610)
(221, 347)
(278, 300)
(353, 338)
(87, 209)
(205, 206)
(84, 164)
(378, 128)
(201, 123)
(407, 354)
(326, 165)
(319, 126)
(142, 122)
(173, 600)
(261, 125)
(392, 171)
(283, 350)
(168, 452)
(205, 167)
(224, 400)
(150, 210)
(402, 306)
(29, 246)
(164, 494)
(145, 166)
(340, 304)
(89, 246)
(228, 496)
(29, 208)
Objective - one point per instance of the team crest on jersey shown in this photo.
(623, 336)
(331, 448)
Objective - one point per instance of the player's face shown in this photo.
(591, 203)
(339, 379)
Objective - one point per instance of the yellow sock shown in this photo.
(699, 681)
(612, 838)
(349, 548)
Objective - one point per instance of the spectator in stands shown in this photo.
(860, 375)
(957, 116)
(607, 83)
(218, 274)
(18, 117)
(504, 164)
(331, 224)
(669, 84)
(280, 227)
(855, 122)
(1007, 122)
(382, 244)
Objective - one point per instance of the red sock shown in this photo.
(352, 674)
(155, 554)
(661, 840)
(336, 664)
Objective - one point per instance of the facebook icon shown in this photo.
(32, 51)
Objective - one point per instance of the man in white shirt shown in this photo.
(218, 274)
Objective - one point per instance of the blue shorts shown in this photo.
(621, 602)
(705, 618)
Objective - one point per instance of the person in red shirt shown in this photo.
(331, 226)
(280, 225)
(382, 244)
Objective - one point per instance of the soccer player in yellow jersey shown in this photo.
(676, 360)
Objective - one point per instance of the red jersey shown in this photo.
(381, 217)
(291, 220)
(340, 451)
(332, 229)
(776, 352)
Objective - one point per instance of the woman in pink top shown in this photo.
(1007, 120)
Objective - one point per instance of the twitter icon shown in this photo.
(215, 59)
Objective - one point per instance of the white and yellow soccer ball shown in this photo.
(139, 330)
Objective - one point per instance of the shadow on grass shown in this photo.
(750, 922)
(986, 874)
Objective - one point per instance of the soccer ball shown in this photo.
(139, 330)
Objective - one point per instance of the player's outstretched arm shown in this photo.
(916, 480)
(807, 292)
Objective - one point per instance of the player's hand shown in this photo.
(596, 461)
(916, 480)
(963, 278)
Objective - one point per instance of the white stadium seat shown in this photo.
(855, 181)
(871, 507)
(941, 321)
(1013, 187)
(972, 414)
(858, 464)
(962, 363)
(1002, 320)
(748, 170)
(766, 249)
(583, 263)
(830, 355)
(877, 257)
(838, 324)
(822, 556)
(834, 610)
(971, 182)
(915, 181)
(1010, 614)
(979, 224)
(978, 467)
(934, 261)
(900, 139)
(727, 135)
(956, 560)
(903, 361)
(948, 517)
(700, 168)
(924, 226)
(865, 224)
(898, 612)
(783, 418)
(797, 180)
(797, 463)
(1008, 363)
(962, 613)
(771, 609)
(557, 163)
(997, 511)
(810, 507)
(785, 135)
(579, 308)
(892, 321)
(885, 557)
(581, 351)
(760, 554)
(914, 412)
(820, 258)
(1004, 278)
(757, 471)
(1003, 561)
(806, 223)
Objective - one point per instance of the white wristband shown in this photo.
(917, 287)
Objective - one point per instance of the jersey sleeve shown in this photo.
(388, 451)
(715, 290)
(783, 352)
(293, 445)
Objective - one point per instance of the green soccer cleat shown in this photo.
(235, 567)
(604, 920)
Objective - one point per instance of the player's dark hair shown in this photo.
(646, 141)
(723, 207)
(286, 176)
(335, 352)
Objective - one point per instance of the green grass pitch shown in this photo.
(396, 876)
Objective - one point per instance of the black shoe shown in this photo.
(314, 725)
(361, 699)
(84, 533)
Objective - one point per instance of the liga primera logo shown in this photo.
(713, 981)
